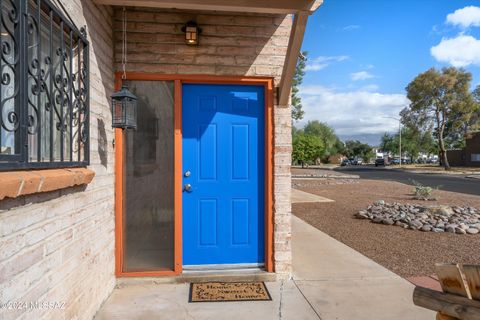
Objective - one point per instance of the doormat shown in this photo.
(228, 291)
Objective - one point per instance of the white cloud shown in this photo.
(466, 17)
(461, 51)
(351, 27)
(352, 113)
(362, 75)
(322, 62)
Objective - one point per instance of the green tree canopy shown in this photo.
(355, 148)
(414, 142)
(440, 100)
(306, 148)
(297, 111)
(326, 134)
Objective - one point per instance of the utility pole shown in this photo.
(400, 140)
(400, 137)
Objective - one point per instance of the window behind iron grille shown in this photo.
(44, 88)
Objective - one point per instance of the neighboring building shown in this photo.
(468, 156)
(336, 158)
(202, 184)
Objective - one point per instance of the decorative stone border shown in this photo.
(436, 218)
(19, 183)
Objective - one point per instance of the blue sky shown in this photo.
(362, 55)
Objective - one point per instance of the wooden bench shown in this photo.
(460, 299)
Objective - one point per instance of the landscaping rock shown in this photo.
(472, 231)
(377, 220)
(362, 215)
(388, 222)
(416, 224)
(450, 229)
(459, 220)
(426, 228)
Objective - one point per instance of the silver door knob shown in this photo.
(187, 187)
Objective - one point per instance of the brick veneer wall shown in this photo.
(230, 44)
(59, 246)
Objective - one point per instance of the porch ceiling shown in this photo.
(259, 6)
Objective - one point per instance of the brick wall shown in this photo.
(59, 246)
(230, 44)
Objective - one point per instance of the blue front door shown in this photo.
(223, 166)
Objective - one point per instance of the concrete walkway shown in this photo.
(299, 196)
(331, 281)
(340, 283)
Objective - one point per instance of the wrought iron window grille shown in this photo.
(44, 87)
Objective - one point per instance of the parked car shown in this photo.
(395, 162)
(380, 162)
(345, 163)
(357, 162)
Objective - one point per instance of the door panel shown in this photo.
(223, 151)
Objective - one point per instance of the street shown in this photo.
(451, 182)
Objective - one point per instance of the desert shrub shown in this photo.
(423, 192)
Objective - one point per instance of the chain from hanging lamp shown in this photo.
(124, 103)
(124, 44)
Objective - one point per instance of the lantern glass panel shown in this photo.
(130, 113)
(191, 35)
(117, 112)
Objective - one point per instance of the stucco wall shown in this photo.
(472, 148)
(59, 246)
(233, 44)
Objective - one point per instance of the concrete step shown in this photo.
(203, 276)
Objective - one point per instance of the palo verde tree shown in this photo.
(440, 99)
(297, 111)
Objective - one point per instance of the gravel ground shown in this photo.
(405, 252)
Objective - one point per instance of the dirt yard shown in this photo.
(405, 252)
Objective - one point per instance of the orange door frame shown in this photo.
(120, 168)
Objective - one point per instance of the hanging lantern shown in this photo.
(192, 32)
(124, 103)
(124, 109)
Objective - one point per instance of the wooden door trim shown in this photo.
(120, 168)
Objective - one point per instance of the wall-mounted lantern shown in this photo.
(192, 32)
(124, 103)
(124, 109)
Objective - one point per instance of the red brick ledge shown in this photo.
(19, 183)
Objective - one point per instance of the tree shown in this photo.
(475, 121)
(413, 142)
(354, 148)
(442, 100)
(297, 112)
(389, 143)
(326, 134)
(306, 148)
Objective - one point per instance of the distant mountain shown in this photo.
(372, 139)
